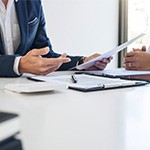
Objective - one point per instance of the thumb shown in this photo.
(143, 48)
(63, 55)
(63, 58)
(130, 54)
(40, 52)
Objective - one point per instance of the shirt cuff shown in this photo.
(16, 65)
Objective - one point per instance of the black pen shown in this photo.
(74, 79)
(37, 80)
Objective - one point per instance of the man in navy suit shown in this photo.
(24, 45)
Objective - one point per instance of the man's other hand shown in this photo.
(100, 64)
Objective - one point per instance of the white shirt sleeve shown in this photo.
(16, 65)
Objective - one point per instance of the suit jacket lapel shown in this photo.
(21, 10)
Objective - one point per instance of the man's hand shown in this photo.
(34, 63)
(99, 65)
(137, 60)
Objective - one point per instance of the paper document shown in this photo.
(109, 53)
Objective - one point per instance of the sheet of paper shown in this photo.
(83, 80)
(88, 82)
(56, 79)
(109, 53)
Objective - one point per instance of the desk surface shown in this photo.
(65, 119)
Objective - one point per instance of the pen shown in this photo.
(74, 79)
(37, 80)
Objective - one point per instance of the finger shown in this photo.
(91, 57)
(130, 54)
(105, 60)
(95, 55)
(129, 59)
(110, 58)
(39, 52)
(91, 68)
(63, 55)
(63, 59)
(143, 48)
(130, 66)
(136, 49)
(100, 65)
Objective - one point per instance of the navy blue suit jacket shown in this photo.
(33, 35)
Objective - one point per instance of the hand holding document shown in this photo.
(109, 53)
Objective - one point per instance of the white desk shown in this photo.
(70, 120)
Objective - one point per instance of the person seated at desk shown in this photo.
(24, 45)
(138, 59)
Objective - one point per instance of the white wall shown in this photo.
(82, 27)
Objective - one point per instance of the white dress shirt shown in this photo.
(9, 30)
